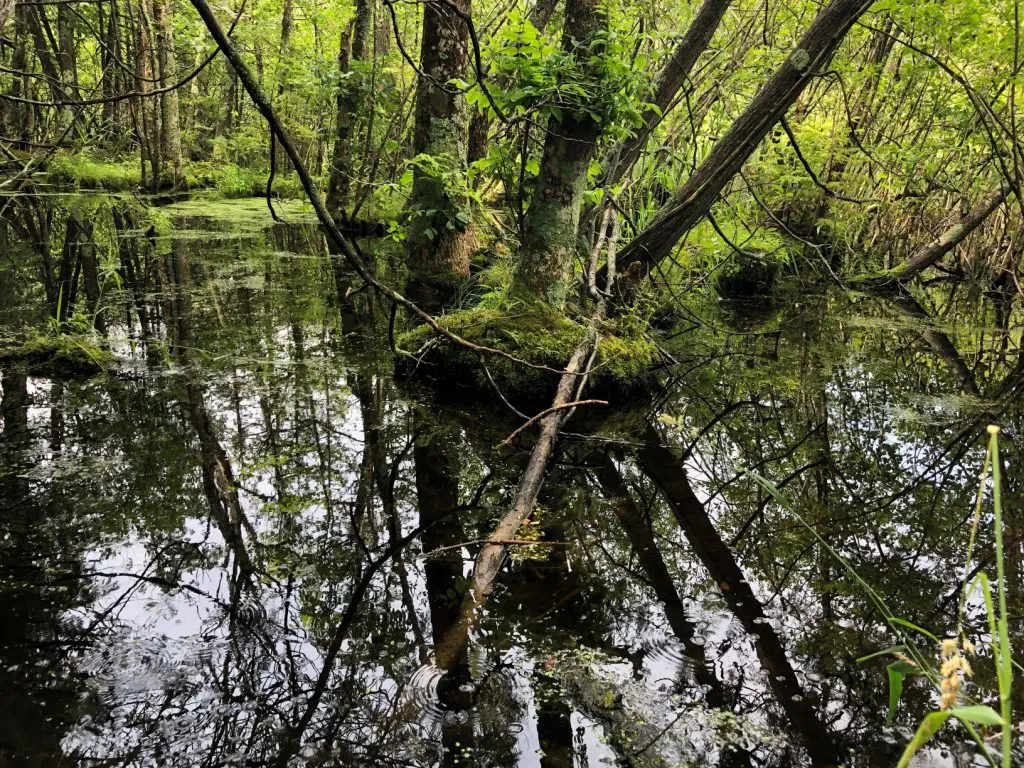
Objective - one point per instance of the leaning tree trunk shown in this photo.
(350, 92)
(671, 81)
(440, 236)
(170, 128)
(694, 199)
(550, 238)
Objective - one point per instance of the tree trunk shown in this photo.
(111, 77)
(550, 230)
(66, 48)
(930, 253)
(695, 198)
(5, 10)
(16, 115)
(354, 48)
(149, 128)
(170, 129)
(287, 22)
(440, 238)
(671, 81)
(45, 45)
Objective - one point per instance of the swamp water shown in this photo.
(246, 544)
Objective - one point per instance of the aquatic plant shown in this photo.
(948, 675)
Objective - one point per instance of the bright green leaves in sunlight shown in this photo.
(531, 76)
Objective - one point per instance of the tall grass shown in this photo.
(978, 720)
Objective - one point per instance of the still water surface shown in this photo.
(247, 545)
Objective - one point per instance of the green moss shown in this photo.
(538, 335)
(63, 355)
(86, 172)
(226, 180)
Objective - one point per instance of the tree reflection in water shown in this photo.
(253, 547)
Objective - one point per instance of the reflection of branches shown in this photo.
(293, 739)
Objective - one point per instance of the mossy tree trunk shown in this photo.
(440, 237)
(354, 49)
(550, 230)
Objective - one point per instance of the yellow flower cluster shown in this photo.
(954, 669)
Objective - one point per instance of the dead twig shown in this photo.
(508, 440)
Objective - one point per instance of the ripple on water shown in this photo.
(440, 699)
(666, 656)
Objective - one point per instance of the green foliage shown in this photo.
(596, 81)
(85, 171)
(450, 206)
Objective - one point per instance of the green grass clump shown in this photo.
(230, 181)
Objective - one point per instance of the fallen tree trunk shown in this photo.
(567, 397)
(929, 254)
(491, 557)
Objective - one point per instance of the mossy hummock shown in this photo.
(63, 355)
(538, 336)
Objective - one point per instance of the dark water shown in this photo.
(217, 553)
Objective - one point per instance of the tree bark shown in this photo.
(170, 128)
(550, 239)
(5, 10)
(149, 126)
(350, 94)
(111, 77)
(929, 254)
(17, 115)
(695, 198)
(439, 243)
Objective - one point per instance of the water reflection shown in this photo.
(248, 546)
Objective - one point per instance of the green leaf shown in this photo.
(978, 713)
(928, 728)
(915, 628)
(884, 652)
(896, 672)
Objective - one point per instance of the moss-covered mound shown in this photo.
(541, 337)
(64, 355)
